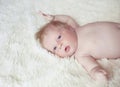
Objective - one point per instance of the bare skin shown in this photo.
(97, 40)
(87, 43)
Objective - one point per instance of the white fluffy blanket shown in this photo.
(23, 63)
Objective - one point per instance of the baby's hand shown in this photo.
(47, 16)
(99, 73)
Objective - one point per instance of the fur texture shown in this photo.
(23, 63)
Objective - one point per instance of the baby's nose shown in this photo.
(60, 44)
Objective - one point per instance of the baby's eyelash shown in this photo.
(59, 37)
(54, 48)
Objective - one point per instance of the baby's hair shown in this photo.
(43, 31)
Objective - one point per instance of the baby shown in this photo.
(64, 37)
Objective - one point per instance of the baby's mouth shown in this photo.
(67, 48)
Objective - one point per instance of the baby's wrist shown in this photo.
(95, 69)
(52, 17)
(98, 73)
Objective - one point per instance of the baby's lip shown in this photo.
(67, 48)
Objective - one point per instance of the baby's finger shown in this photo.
(49, 18)
(41, 13)
(103, 71)
(46, 16)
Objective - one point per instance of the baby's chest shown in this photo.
(100, 44)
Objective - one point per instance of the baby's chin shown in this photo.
(68, 52)
(66, 55)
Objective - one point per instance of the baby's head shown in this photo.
(58, 38)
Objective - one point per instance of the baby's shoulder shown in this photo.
(100, 24)
(103, 23)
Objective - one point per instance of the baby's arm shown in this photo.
(93, 68)
(66, 19)
(62, 18)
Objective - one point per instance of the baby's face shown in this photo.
(61, 42)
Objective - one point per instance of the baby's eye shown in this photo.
(59, 37)
(54, 48)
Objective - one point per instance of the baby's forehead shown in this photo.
(50, 37)
(49, 42)
(52, 29)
